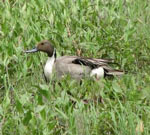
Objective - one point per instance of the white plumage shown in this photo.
(97, 72)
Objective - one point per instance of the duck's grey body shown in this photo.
(76, 67)
(64, 65)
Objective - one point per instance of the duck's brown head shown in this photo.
(44, 46)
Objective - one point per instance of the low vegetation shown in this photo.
(116, 29)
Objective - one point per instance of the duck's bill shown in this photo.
(31, 51)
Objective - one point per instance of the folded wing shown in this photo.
(96, 63)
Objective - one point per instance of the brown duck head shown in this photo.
(44, 46)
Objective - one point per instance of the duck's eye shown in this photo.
(42, 43)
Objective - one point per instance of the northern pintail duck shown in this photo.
(77, 67)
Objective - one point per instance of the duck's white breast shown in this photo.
(48, 69)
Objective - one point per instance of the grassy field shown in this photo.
(117, 29)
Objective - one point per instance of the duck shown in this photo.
(75, 66)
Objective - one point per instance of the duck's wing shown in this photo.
(92, 63)
(109, 71)
(96, 63)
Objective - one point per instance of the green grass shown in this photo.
(114, 29)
